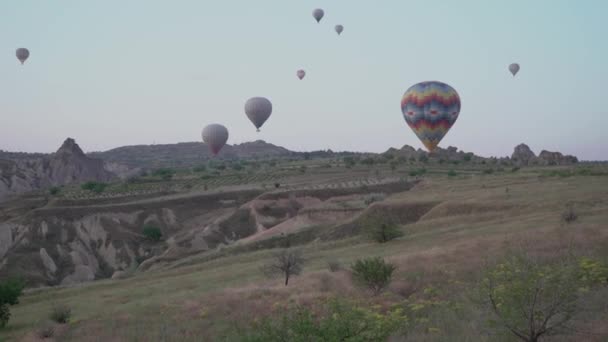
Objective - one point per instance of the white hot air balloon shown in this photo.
(258, 110)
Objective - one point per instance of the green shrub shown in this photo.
(373, 273)
(515, 169)
(54, 190)
(5, 315)
(10, 291)
(164, 174)
(488, 171)
(341, 321)
(467, 157)
(381, 229)
(152, 232)
(452, 173)
(95, 187)
(60, 314)
(423, 159)
(418, 172)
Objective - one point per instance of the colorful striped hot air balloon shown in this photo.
(430, 109)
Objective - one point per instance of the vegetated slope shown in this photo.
(462, 223)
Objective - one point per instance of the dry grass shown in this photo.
(473, 226)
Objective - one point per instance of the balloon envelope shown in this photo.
(514, 68)
(258, 109)
(22, 54)
(339, 29)
(301, 74)
(430, 109)
(318, 14)
(215, 135)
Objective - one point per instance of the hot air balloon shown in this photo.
(514, 68)
(258, 109)
(339, 29)
(430, 109)
(301, 73)
(318, 14)
(22, 54)
(215, 135)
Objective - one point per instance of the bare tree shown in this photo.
(285, 263)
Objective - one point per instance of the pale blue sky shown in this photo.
(122, 72)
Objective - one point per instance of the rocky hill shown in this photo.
(68, 165)
(523, 155)
(184, 154)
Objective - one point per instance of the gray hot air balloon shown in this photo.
(318, 14)
(258, 109)
(215, 135)
(514, 68)
(301, 73)
(339, 29)
(22, 54)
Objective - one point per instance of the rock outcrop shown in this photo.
(68, 165)
(555, 158)
(523, 155)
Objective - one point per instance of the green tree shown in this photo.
(95, 187)
(349, 162)
(373, 273)
(152, 232)
(381, 229)
(10, 291)
(532, 299)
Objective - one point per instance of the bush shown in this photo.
(10, 291)
(488, 171)
(569, 215)
(61, 314)
(95, 187)
(334, 265)
(418, 172)
(164, 174)
(46, 331)
(54, 190)
(5, 315)
(423, 159)
(152, 232)
(452, 173)
(467, 157)
(373, 273)
(277, 185)
(341, 321)
(515, 169)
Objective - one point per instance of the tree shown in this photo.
(394, 164)
(532, 299)
(10, 291)
(381, 229)
(152, 232)
(286, 263)
(423, 159)
(373, 273)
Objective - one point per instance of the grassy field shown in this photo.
(480, 216)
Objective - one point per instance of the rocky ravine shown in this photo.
(68, 165)
(68, 245)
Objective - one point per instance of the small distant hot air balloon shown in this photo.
(514, 68)
(301, 73)
(339, 29)
(318, 14)
(258, 109)
(215, 135)
(430, 109)
(22, 54)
